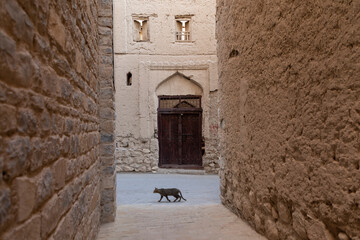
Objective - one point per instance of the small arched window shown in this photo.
(129, 79)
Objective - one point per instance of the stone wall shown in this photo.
(107, 112)
(49, 128)
(290, 116)
(136, 155)
(211, 155)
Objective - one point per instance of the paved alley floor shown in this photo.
(202, 217)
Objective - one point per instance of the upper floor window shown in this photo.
(183, 32)
(141, 29)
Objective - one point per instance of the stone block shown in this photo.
(65, 198)
(18, 151)
(76, 186)
(45, 122)
(108, 182)
(74, 145)
(107, 150)
(56, 28)
(37, 102)
(37, 154)
(343, 236)
(58, 123)
(27, 231)
(59, 173)
(107, 93)
(106, 138)
(51, 149)
(27, 122)
(316, 230)
(23, 71)
(7, 123)
(106, 59)
(77, 211)
(106, 22)
(66, 90)
(146, 151)
(5, 205)
(65, 145)
(284, 212)
(8, 48)
(106, 75)
(105, 31)
(45, 186)
(23, 27)
(108, 171)
(252, 197)
(105, 12)
(271, 230)
(48, 83)
(258, 223)
(71, 169)
(95, 203)
(274, 213)
(25, 189)
(65, 229)
(42, 46)
(107, 196)
(299, 224)
(7, 54)
(79, 235)
(108, 212)
(107, 113)
(50, 216)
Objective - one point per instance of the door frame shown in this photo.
(180, 111)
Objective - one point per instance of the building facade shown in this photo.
(166, 83)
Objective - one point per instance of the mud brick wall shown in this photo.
(49, 128)
(290, 116)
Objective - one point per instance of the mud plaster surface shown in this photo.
(290, 116)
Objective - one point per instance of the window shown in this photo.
(182, 33)
(129, 79)
(141, 29)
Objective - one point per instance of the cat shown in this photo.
(169, 192)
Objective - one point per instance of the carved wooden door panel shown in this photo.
(180, 133)
(191, 139)
(169, 139)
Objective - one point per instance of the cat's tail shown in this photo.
(182, 196)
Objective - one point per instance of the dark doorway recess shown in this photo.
(180, 130)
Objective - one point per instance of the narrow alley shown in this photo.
(251, 108)
(202, 216)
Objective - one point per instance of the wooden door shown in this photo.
(180, 135)
(190, 139)
(169, 139)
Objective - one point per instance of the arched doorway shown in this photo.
(179, 117)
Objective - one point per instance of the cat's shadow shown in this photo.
(167, 202)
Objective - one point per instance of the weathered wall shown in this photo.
(49, 128)
(107, 112)
(290, 116)
(151, 63)
(211, 156)
(162, 27)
